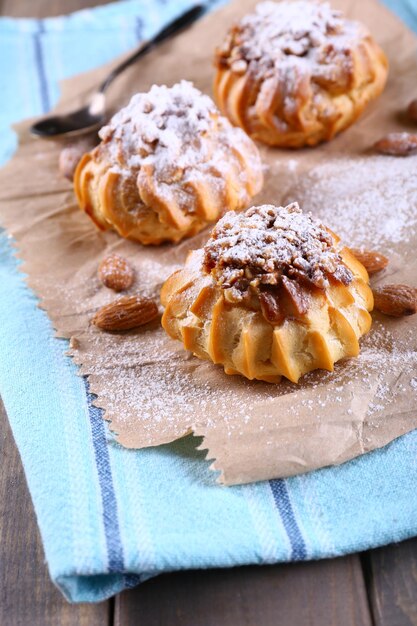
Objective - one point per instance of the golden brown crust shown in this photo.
(306, 335)
(297, 90)
(167, 165)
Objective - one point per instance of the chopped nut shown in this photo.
(396, 300)
(270, 307)
(116, 273)
(239, 67)
(296, 294)
(147, 106)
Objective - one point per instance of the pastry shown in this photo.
(293, 74)
(272, 293)
(167, 165)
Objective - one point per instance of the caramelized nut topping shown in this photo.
(273, 252)
(270, 306)
(296, 294)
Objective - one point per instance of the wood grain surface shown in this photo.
(321, 593)
(391, 574)
(326, 593)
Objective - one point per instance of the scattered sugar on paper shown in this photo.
(162, 386)
(369, 201)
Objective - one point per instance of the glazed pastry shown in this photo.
(167, 165)
(296, 73)
(271, 294)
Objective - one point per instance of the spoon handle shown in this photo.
(178, 24)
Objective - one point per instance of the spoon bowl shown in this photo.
(78, 122)
(93, 115)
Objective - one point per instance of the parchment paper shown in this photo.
(151, 389)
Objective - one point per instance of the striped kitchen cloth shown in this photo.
(111, 517)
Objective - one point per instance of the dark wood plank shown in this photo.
(321, 593)
(392, 584)
(27, 596)
(44, 8)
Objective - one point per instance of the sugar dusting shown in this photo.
(158, 391)
(300, 38)
(367, 201)
(264, 243)
(178, 134)
(161, 128)
(155, 390)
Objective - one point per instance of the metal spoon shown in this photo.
(94, 114)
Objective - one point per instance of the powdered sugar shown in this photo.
(368, 201)
(158, 392)
(163, 126)
(291, 28)
(266, 242)
(176, 131)
(296, 37)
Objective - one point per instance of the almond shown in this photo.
(126, 313)
(397, 144)
(371, 260)
(396, 300)
(412, 110)
(116, 273)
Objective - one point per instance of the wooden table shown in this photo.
(375, 588)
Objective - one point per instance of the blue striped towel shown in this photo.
(111, 517)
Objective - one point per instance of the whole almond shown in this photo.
(116, 273)
(397, 144)
(371, 260)
(126, 313)
(396, 300)
(412, 110)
